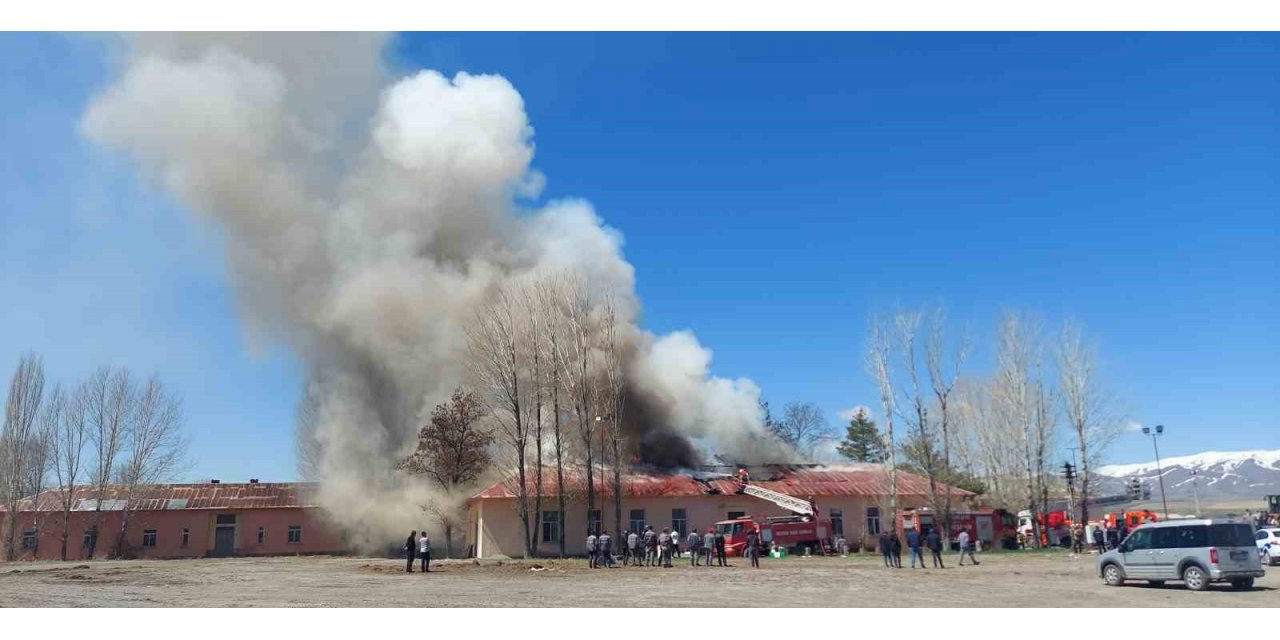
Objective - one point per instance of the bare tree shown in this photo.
(67, 450)
(453, 450)
(109, 398)
(156, 447)
(802, 427)
(309, 449)
(573, 359)
(921, 445)
(537, 325)
(547, 288)
(1086, 405)
(878, 350)
(496, 344)
(944, 373)
(1045, 423)
(1017, 358)
(39, 453)
(614, 401)
(26, 392)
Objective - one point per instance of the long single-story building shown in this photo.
(176, 521)
(853, 497)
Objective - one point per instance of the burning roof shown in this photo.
(796, 480)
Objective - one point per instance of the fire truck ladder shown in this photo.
(790, 503)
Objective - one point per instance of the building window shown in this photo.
(637, 520)
(679, 521)
(29, 539)
(735, 515)
(837, 522)
(550, 526)
(186, 536)
(90, 538)
(873, 521)
(295, 533)
(227, 518)
(149, 538)
(593, 519)
(262, 535)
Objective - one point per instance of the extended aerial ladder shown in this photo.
(790, 503)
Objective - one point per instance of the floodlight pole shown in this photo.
(1159, 430)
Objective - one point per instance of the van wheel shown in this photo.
(1195, 578)
(1112, 576)
(1156, 583)
(1245, 583)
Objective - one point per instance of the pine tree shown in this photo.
(862, 441)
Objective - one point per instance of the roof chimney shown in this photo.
(213, 482)
(253, 481)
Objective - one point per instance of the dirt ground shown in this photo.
(1003, 579)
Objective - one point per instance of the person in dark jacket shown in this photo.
(709, 544)
(753, 547)
(695, 546)
(1099, 540)
(650, 539)
(895, 543)
(605, 545)
(913, 545)
(886, 553)
(592, 543)
(934, 542)
(720, 554)
(410, 551)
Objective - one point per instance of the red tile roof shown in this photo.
(799, 481)
(262, 495)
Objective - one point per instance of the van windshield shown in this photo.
(1231, 535)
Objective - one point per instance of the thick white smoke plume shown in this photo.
(365, 218)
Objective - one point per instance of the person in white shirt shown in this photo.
(966, 547)
(424, 551)
(675, 543)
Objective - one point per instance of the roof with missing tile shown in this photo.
(795, 480)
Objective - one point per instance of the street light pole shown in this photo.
(1146, 431)
(1195, 486)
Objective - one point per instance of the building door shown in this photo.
(224, 541)
(224, 536)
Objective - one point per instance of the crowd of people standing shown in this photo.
(917, 542)
(650, 548)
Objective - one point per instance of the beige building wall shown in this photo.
(495, 530)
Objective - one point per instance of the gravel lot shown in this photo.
(1004, 579)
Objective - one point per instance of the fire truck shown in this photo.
(1131, 519)
(1055, 527)
(796, 533)
(793, 533)
(993, 527)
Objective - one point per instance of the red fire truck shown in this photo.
(796, 534)
(991, 526)
(803, 531)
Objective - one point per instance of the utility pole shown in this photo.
(1069, 472)
(1076, 516)
(1195, 486)
(1146, 431)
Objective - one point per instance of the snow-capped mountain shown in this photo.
(1218, 474)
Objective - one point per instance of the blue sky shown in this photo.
(772, 189)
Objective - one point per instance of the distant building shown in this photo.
(177, 521)
(853, 497)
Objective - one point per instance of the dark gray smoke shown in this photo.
(366, 215)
